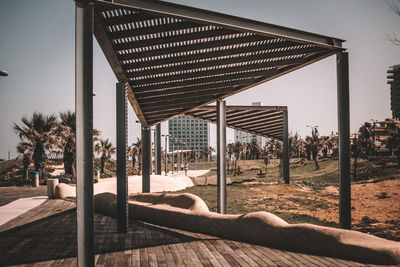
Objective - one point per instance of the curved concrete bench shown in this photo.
(189, 212)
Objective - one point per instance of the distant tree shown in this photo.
(106, 149)
(26, 150)
(356, 150)
(254, 150)
(38, 132)
(138, 151)
(393, 141)
(313, 146)
(267, 153)
(66, 140)
(395, 6)
(366, 140)
(207, 152)
(295, 144)
(237, 151)
(65, 133)
(229, 151)
(326, 145)
(133, 153)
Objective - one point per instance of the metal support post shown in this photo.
(344, 139)
(166, 155)
(157, 149)
(285, 147)
(122, 139)
(84, 133)
(146, 159)
(221, 156)
(173, 156)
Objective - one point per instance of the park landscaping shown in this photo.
(313, 195)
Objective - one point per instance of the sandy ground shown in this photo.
(158, 183)
(375, 205)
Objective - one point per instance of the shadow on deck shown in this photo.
(47, 233)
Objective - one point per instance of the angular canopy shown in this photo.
(176, 58)
(259, 120)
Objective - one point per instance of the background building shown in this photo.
(244, 137)
(194, 134)
(394, 81)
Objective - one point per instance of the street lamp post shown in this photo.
(313, 128)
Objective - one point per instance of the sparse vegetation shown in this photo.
(313, 195)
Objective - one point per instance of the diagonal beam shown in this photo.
(161, 8)
(112, 59)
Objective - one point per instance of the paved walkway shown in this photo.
(47, 235)
(11, 193)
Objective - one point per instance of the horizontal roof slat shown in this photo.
(210, 45)
(261, 120)
(233, 60)
(177, 58)
(143, 62)
(144, 85)
(202, 73)
(194, 89)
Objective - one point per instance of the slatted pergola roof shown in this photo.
(264, 121)
(176, 58)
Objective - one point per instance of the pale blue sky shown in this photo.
(37, 49)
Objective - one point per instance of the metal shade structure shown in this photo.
(174, 59)
(266, 121)
(177, 58)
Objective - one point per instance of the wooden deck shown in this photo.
(46, 235)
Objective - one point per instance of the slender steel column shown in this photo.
(344, 139)
(84, 133)
(166, 154)
(157, 149)
(173, 156)
(122, 140)
(146, 159)
(221, 156)
(285, 147)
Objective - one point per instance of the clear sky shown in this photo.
(37, 49)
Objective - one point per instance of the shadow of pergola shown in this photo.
(54, 237)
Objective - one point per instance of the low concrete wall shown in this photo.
(189, 212)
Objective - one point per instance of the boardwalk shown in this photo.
(47, 235)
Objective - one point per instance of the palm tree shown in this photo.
(366, 138)
(295, 143)
(207, 152)
(393, 141)
(266, 155)
(26, 150)
(356, 150)
(67, 141)
(133, 152)
(326, 145)
(229, 151)
(313, 146)
(38, 132)
(254, 150)
(237, 151)
(106, 149)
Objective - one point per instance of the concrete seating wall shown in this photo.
(189, 212)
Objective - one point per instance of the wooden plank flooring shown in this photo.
(46, 236)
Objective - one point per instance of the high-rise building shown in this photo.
(244, 137)
(192, 133)
(394, 81)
